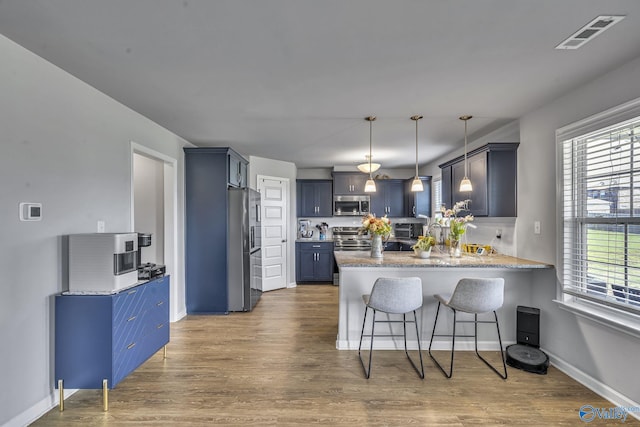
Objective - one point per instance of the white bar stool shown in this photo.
(394, 296)
(472, 296)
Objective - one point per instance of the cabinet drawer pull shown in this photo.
(316, 246)
(131, 318)
(160, 303)
(160, 326)
(132, 292)
(130, 346)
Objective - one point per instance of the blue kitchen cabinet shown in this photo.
(100, 337)
(314, 197)
(314, 262)
(418, 202)
(388, 198)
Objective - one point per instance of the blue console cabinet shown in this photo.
(102, 337)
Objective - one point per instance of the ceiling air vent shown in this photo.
(590, 31)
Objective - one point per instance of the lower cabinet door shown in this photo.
(324, 267)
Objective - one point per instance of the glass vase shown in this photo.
(454, 247)
(376, 246)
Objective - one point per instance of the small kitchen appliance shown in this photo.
(148, 270)
(351, 205)
(305, 231)
(102, 262)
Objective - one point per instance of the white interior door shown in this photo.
(274, 194)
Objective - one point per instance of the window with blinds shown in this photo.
(601, 216)
(437, 197)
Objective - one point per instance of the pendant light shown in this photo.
(416, 185)
(465, 184)
(368, 166)
(370, 186)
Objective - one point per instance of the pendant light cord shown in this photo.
(465, 148)
(416, 148)
(370, 137)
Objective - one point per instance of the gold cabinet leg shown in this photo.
(105, 395)
(61, 391)
(164, 354)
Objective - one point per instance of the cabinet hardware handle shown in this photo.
(160, 326)
(132, 292)
(316, 246)
(130, 346)
(131, 318)
(160, 303)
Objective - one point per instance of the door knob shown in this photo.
(284, 241)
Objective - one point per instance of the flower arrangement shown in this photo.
(376, 226)
(457, 225)
(424, 243)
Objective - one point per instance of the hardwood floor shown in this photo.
(278, 366)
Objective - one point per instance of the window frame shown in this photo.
(622, 316)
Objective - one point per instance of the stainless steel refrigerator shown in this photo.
(244, 263)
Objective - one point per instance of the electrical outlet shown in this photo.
(101, 226)
(536, 227)
(498, 233)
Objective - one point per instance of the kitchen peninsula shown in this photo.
(440, 274)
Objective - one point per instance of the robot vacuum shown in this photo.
(527, 358)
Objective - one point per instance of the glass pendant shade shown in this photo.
(370, 186)
(465, 184)
(416, 184)
(368, 166)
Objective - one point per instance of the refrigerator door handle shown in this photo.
(258, 213)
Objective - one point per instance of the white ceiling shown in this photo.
(294, 79)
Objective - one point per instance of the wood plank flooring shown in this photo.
(278, 366)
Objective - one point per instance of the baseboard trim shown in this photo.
(601, 389)
(398, 344)
(38, 410)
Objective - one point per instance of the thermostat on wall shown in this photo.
(30, 211)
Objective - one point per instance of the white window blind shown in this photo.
(601, 216)
(437, 197)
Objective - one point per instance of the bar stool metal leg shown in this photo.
(406, 351)
(504, 364)
(367, 373)
(453, 343)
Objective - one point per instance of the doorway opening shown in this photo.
(154, 211)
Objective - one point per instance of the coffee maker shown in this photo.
(304, 229)
(148, 270)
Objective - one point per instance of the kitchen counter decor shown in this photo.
(379, 228)
(423, 246)
(457, 225)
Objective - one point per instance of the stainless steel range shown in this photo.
(348, 239)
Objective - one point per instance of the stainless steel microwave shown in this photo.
(351, 205)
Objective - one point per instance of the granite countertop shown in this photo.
(438, 259)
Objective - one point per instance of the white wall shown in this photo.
(280, 169)
(148, 184)
(606, 356)
(67, 146)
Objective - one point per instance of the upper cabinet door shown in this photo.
(477, 168)
(314, 198)
(345, 183)
(417, 202)
(237, 171)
